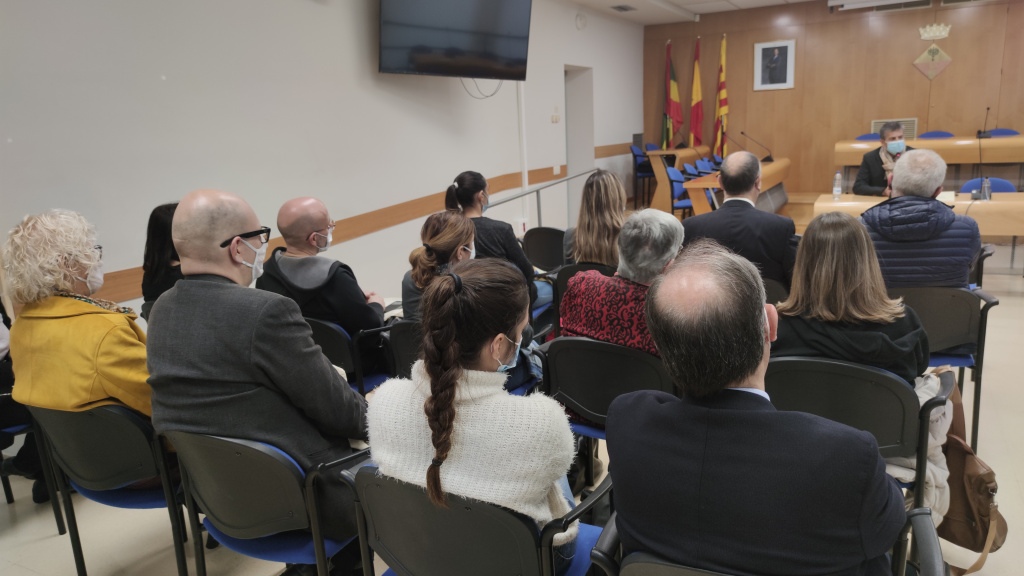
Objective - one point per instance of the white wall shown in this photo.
(110, 107)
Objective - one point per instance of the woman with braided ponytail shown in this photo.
(448, 428)
(447, 238)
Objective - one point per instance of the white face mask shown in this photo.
(94, 279)
(257, 264)
(329, 241)
(472, 251)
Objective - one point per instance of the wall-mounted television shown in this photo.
(467, 38)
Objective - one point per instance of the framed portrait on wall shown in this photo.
(774, 65)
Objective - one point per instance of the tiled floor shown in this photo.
(138, 542)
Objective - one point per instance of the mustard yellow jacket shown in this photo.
(73, 355)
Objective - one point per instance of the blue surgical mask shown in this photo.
(896, 147)
(515, 357)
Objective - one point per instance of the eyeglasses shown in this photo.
(263, 233)
(99, 249)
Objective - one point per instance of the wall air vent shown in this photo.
(909, 126)
(904, 6)
(623, 8)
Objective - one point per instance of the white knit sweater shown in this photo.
(506, 450)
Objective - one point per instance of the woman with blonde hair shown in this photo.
(602, 213)
(453, 429)
(838, 306)
(448, 237)
(71, 351)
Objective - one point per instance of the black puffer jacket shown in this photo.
(921, 242)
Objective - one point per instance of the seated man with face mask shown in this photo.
(877, 165)
(324, 289)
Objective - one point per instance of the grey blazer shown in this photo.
(229, 360)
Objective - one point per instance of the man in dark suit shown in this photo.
(877, 165)
(228, 360)
(767, 240)
(718, 479)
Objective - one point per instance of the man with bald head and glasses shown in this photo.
(228, 360)
(324, 289)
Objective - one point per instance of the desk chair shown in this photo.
(1003, 132)
(586, 375)
(607, 553)
(935, 135)
(642, 174)
(343, 350)
(99, 452)
(406, 345)
(956, 321)
(543, 247)
(257, 500)
(868, 136)
(399, 523)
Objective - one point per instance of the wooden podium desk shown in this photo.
(1003, 215)
(955, 151)
(662, 199)
(772, 174)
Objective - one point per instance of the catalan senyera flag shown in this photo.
(721, 107)
(696, 106)
(672, 119)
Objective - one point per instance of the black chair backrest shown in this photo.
(247, 489)
(543, 247)
(335, 343)
(100, 449)
(644, 564)
(406, 345)
(951, 316)
(775, 291)
(863, 397)
(586, 375)
(415, 537)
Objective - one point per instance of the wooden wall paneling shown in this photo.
(961, 92)
(1011, 94)
(852, 67)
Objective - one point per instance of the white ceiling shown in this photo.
(669, 11)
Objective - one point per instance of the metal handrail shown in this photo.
(536, 190)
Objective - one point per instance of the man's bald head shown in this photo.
(739, 173)
(299, 218)
(204, 219)
(706, 315)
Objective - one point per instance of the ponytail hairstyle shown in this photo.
(159, 251)
(462, 192)
(602, 213)
(462, 312)
(443, 235)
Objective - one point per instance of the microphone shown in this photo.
(983, 133)
(731, 139)
(767, 158)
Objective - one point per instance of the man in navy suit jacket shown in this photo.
(767, 240)
(719, 480)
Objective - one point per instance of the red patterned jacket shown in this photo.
(606, 308)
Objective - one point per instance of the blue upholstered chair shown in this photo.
(642, 174)
(1003, 132)
(258, 502)
(998, 186)
(868, 136)
(935, 134)
(343, 350)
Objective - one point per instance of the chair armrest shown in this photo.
(987, 298)
(350, 465)
(606, 550)
(559, 525)
(926, 542)
(367, 333)
(947, 381)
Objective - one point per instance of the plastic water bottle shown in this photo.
(837, 185)
(986, 189)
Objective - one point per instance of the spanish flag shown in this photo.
(721, 107)
(697, 107)
(672, 119)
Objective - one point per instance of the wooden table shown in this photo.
(1001, 216)
(772, 174)
(662, 199)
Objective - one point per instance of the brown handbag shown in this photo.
(973, 520)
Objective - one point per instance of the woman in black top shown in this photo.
(160, 267)
(494, 239)
(838, 306)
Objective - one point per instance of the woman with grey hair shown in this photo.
(611, 308)
(71, 351)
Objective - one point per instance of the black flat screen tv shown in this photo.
(467, 38)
